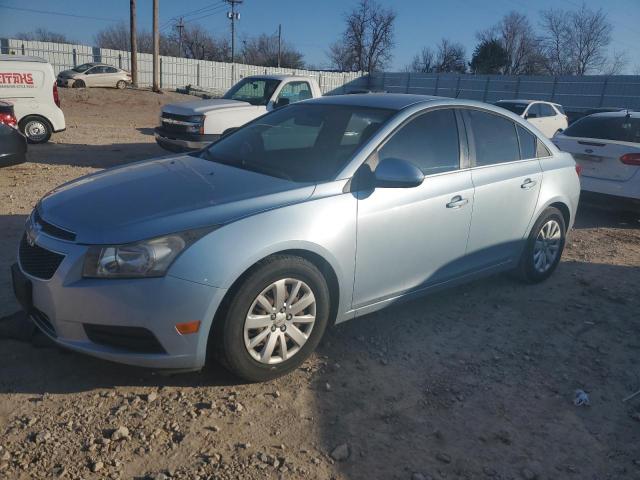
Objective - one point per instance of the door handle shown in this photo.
(528, 183)
(457, 202)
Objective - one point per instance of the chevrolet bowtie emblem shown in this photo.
(32, 231)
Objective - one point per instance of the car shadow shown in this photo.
(146, 131)
(93, 156)
(599, 215)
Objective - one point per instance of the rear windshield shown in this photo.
(560, 108)
(517, 108)
(621, 129)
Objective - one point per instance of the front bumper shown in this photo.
(64, 305)
(64, 81)
(183, 142)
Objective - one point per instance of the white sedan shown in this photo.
(547, 117)
(607, 147)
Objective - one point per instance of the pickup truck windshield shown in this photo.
(256, 91)
(302, 143)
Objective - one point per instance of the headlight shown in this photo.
(148, 258)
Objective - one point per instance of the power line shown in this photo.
(190, 13)
(49, 12)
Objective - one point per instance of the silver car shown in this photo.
(314, 214)
(94, 75)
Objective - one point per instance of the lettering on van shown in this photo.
(16, 80)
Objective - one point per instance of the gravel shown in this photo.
(482, 372)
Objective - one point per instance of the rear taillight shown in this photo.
(631, 159)
(8, 119)
(56, 97)
(578, 169)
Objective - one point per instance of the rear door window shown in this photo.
(495, 138)
(429, 141)
(546, 110)
(295, 91)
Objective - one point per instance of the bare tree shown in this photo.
(590, 35)
(451, 57)
(616, 63)
(577, 42)
(43, 35)
(423, 62)
(367, 41)
(519, 39)
(555, 41)
(200, 44)
(263, 51)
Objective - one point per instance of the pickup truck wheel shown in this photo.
(274, 320)
(79, 84)
(542, 252)
(36, 129)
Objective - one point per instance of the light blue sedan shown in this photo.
(311, 215)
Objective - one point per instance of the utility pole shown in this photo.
(134, 43)
(279, 44)
(233, 16)
(180, 27)
(156, 49)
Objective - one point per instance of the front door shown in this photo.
(410, 238)
(507, 177)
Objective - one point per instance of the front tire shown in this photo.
(79, 84)
(36, 129)
(274, 320)
(121, 85)
(542, 252)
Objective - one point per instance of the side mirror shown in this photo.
(530, 115)
(282, 102)
(397, 173)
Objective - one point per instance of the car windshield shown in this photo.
(302, 143)
(620, 128)
(515, 107)
(256, 91)
(82, 68)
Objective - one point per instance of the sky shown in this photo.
(311, 26)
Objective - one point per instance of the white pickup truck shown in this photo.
(193, 125)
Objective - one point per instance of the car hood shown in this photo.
(156, 197)
(203, 106)
(68, 73)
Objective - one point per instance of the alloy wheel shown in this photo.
(280, 321)
(547, 246)
(35, 130)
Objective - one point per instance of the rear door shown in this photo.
(507, 177)
(602, 145)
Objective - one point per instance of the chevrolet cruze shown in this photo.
(311, 215)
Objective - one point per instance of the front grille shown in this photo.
(37, 261)
(130, 339)
(51, 229)
(42, 321)
(185, 125)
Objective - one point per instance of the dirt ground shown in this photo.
(474, 383)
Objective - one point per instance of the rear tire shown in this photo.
(121, 85)
(36, 129)
(79, 84)
(544, 247)
(283, 337)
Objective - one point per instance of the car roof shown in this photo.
(526, 102)
(392, 101)
(619, 113)
(283, 76)
(21, 58)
